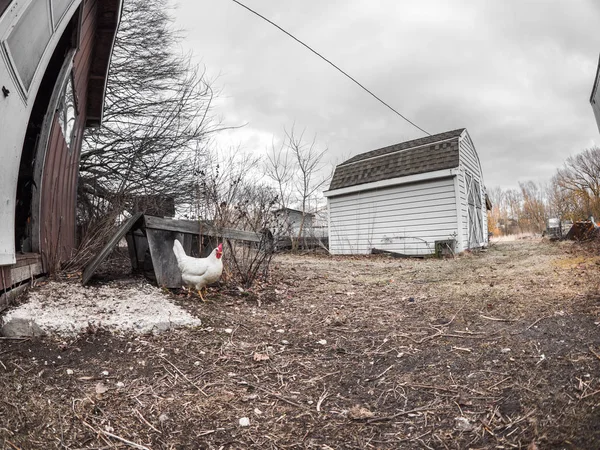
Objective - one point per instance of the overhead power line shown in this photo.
(332, 64)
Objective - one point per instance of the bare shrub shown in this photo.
(229, 195)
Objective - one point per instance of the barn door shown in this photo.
(475, 212)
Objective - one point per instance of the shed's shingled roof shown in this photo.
(422, 155)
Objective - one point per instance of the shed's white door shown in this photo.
(475, 213)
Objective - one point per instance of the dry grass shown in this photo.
(496, 350)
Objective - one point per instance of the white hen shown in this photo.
(199, 272)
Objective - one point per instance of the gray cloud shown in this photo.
(517, 74)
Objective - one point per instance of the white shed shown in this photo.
(407, 197)
(292, 219)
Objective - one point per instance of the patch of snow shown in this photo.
(68, 309)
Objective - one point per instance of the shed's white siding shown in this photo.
(595, 101)
(595, 97)
(596, 107)
(406, 218)
(469, 163)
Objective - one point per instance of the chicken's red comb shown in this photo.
(220, 247)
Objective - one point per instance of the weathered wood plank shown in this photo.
(5, 280)
(26, 259)
(110, 245)
(23, 273)
(199, 227)
(137, 244)
(164, 261)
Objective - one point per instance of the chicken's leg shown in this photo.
(200, 294)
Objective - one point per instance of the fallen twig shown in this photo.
(273, 394)
(535, 323)
(591, 394)
(499, 382)
(427, 386)
(184, 376)
(402, 413)
(312, 380)
(124, 441)
(594, 353)
(146, 422)
(521, 419)
(462, 349)
(207, 432)
(380, 375)
(427, 338)
(114, 436)
(11, 444)
(467, 336)
(322, 398)
(496, 319)
(453, 317)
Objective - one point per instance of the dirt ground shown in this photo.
(495, 350)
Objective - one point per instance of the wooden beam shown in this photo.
(200, 228)
(23, 273)
(108, 248)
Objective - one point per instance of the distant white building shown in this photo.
(291, 220)
(409, 197)
(320, 228)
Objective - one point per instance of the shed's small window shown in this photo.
(67, 111)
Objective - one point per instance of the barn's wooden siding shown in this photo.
(28, 265)
(469, 163)
(61, 165)
(406, 218)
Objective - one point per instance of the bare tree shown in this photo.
(309, 161)
(506, 216)
(580, 176)
(496, 217)
(563, 203)
(533, 213)
(296, 167)
(156, 119)
(281, 168)
(513, 207)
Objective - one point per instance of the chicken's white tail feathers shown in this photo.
(178, 250)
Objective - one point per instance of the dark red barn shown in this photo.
(54, 59)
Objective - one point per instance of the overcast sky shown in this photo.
(516, 73)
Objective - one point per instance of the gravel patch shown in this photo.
(67, 309)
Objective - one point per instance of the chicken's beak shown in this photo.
(219, 251)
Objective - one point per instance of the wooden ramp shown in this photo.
(134, 222)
